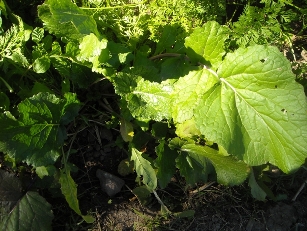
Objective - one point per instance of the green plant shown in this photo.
(211, 113)
(270, 22)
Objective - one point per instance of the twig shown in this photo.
(161, 202)
(300, 190)
(135, 196)
(160, 56)
(202, 188)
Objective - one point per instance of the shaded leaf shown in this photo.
(257, 192)
(126, 130)
(207, 43)
(37, 134)
(45, 171)
(32, 212)
(167, 39)
(229, 170)
(4, 102)
(144, 169)
(193, 168)
(10, 191)
(69, 190)
(165, 163)
(160, 129)
(143, 194)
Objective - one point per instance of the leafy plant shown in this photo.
(270, 22)
(211, 112)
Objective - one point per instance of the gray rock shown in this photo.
(109, 183)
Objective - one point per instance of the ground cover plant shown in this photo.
(192, 88)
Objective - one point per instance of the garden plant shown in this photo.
(193, 87)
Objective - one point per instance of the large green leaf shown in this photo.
(150, 100)
(187, 92)
(167, 39)
(143, 168)
(31, 212)
(91, 47)
(229, 170)
(206, 44)
(256, 111)
(65, 19)
(37, 134)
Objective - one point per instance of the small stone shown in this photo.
(109, 183)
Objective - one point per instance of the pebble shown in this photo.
(109, 183)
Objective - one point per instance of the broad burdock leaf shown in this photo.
(187, 92)
(65, 19)
(91, 47)
(150, 100)
(206, 44)
(94, 51)
(187, 129)
(144, 169)
(229, 170)
(167, 39)
(37, 134)
(256, 110)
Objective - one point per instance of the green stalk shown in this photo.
(7, 85)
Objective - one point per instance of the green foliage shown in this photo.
(133, 22)
(271, 23)
(18, 211)
(217, 102)
(69, 190)
(38, 129)
(144, 168)
(65, 19)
